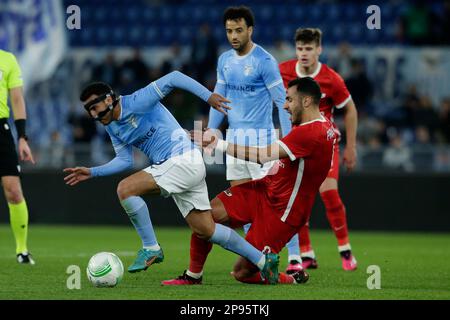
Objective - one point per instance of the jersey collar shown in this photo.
(313, 75)
(245, 55)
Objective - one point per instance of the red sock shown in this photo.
(254, 279)
(303, 238)
(199, 252)
(284, 278)
(336, 215)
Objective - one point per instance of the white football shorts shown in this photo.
(183, 178)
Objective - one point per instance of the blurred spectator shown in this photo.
(397, 156)
(204, 53)
(107, 71)
(84, 130)
(444, 120)
(136, 72)
(176, 60)
(416, 25)
(283, 51)
(425, 116)
(360, 87)
(445, 24)
(341, 62)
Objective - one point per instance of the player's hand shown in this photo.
(350, 157)
(25, 153)
(76, 175)
(219, 103)
(207, 139)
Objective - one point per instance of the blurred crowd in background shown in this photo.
(412, 134)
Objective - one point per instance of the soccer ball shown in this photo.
(104, 270)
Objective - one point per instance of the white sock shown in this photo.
(309, 254)
(194, 275)
(294, 257)
(345, 247)
(261, 262)
(155, 247)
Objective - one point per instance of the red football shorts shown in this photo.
(248, 203)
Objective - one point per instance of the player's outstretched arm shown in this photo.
(210, 140)
(76, 175)
(176, 79)
(351, 125)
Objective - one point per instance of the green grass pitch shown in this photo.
(413, 266)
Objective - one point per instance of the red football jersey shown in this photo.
(334, 91)
(294, 182)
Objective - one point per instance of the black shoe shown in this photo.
(25, 258)
(301, 276)
(184, 279)
(309, 263)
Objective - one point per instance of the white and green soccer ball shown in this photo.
(105, 270)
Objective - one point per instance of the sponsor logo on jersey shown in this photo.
(243, 88)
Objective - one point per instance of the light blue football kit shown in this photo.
(176, 165)
(253, 84)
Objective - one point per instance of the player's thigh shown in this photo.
(137, 184)
(328, 184)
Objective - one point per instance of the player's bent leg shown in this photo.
(246, 272)
(128, 191)
(336, 215)
(202, 223)
(18, 212)
(309, 260)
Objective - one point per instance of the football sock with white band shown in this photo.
(229, 239)
(137, 211)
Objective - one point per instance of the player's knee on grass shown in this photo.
(244, 269)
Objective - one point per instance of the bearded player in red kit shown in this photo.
(334, 95)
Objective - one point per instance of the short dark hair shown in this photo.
(308, 35)
(97, 88)
(241, 12)
(307, 86)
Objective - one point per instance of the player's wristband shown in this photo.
(222, 145)
(20, 127)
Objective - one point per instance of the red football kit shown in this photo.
(334, 95)
(281, 202)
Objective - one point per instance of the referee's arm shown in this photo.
(20, 113)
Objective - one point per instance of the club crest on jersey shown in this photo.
(330, 134)
(247, 70)
(132, 121)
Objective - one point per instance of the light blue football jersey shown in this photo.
(146, 124)
(253, 84)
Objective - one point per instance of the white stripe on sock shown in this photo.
(194, 275)
(344, 247)
(308, 254)
(155, 247)
(295, 257)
